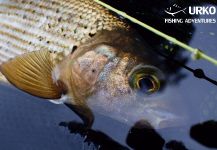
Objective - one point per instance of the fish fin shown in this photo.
(57, 102)
(2, 78)
(32, 73)
(84, 112)
(62, 100)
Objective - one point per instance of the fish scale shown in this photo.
(107, 72)
(30, 25)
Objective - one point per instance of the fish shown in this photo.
(78, 53)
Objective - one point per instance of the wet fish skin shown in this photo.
(56, 26)
(30, 25)
(37, 42)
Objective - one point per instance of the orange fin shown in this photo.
(32, 73)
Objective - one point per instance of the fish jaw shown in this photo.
(104, 63)
(131, 108)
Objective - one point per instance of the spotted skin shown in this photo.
(30, 25)
(79, 50)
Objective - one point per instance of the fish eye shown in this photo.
(147, 84)
(146, 79)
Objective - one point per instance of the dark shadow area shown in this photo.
(140, 137)
(198, 73)
(153, 14)
(175, 145)
(205, 133)
(143, 136)
(98, 138)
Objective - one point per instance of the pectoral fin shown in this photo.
(32, 73)
(2, 78)
(84, 112)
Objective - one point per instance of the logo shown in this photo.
(206, 14)
(201, 10)
(176, 9)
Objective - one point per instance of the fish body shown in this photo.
(78, 53)
(30, 25)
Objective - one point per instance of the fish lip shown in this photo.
(166, 119)
(158, 117)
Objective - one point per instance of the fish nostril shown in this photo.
(91, 34)
(93, 70)
(74, 48)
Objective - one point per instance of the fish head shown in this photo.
(118, 64)
(114, 73)
(117, 74)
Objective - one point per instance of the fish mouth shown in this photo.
(128, 111)
(161, 118)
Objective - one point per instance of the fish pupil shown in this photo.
(145, 84)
